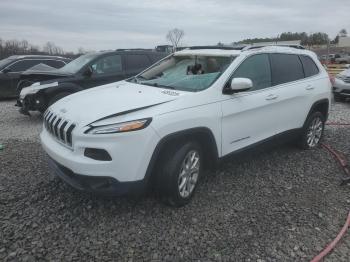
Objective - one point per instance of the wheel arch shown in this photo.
(322, 106)
(203, 135)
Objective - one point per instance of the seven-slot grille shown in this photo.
(60, 128)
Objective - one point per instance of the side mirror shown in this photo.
(88, 71)
(239, 85)
(6, 70)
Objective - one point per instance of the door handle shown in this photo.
(271, 97)
(309, 87)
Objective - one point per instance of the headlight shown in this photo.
(27, 91)
(120, 127)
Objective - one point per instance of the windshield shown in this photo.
(187, 73)
(75, 65)
(5, 62)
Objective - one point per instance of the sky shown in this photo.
(111, 24)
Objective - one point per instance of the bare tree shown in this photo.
(343, 33)
(174, 36)
(81, 51)
(49, 48)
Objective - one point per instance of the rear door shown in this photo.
(249, 117)
(106, 69)
(291, 89)
(135, 63)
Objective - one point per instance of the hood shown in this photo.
(108, 101)
(51, 73)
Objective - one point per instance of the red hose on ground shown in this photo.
(342, 232)
(333, 243)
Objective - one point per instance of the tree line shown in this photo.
(23, 47)
(318, 38)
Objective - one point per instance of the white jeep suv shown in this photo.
(163, 126)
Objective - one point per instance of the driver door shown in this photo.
(249, 117)
(105, 70)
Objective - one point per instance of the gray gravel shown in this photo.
(277, 204)
(14, 125)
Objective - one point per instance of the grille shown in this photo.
(347, 79)
(58, 127)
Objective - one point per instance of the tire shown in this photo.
(58, 97)
(312, 131)
(179, 173)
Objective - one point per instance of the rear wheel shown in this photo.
(312, 131)
(179, 173)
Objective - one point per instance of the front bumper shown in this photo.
(96, 184)
(341, 88)
(30, 103)
(130, 154)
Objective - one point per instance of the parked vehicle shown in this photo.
(164, 126)
(12, 67)
(341, 86)
(343, 59)
(89, 70)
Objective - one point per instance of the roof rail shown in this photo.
(249, 47)
(134, 49)
(216, 47)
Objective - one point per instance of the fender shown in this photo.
(62, 87)
(197, 133)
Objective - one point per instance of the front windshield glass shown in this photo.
(75, 65)
(187, 73)
(5, 62)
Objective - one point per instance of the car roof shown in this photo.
(129, 51)
(244, 51)
(37, 57)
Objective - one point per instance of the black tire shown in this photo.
(305, 138)
(58, 97)
(169, 176)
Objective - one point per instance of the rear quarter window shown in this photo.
(310, 68)
(286, 68)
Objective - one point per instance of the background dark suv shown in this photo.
(12, 67)
(89, 70)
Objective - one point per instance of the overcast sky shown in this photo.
(110, 24)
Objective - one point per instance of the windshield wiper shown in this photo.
(163, 86)
(138, 78)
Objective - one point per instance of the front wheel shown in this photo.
(179, 173)
(312, 131)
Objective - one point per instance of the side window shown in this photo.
(23, 65)
(310, 68)
(54, 63)
(108, 65)
(285, 68)
(257, 69)
(137, 62)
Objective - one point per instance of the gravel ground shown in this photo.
(277, 204)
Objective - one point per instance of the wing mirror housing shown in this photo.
(238, 85)
(88, 71)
